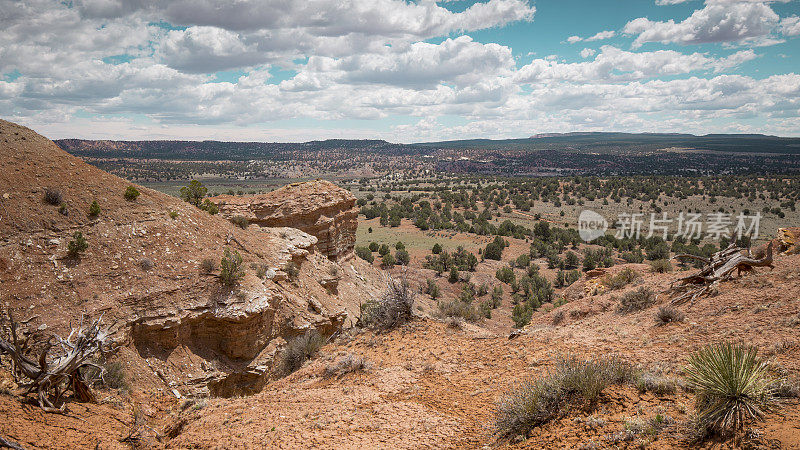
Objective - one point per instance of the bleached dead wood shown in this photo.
(51, 374)
(719, 267)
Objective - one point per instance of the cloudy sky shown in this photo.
(296, 70)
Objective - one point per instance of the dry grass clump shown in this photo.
(459, 309)
(661, 266)
(299, 350)
(732, 386)
(570, 383)
(146, 264)
(53, 196)
(455, 323)
(668, 314)
(392, 310)
(240, 221)
(656, 383)
(208, 265)
(348, 363)
(637, 300)
(620, 280)
(785, 388)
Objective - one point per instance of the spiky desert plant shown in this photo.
(732, 385)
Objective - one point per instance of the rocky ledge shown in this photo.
(320, 208)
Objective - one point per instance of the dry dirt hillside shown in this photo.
(435, 386)
(199, 356)
(179, 328)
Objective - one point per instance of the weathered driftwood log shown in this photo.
(50, 376)
(719, 267)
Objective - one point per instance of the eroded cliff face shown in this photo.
(178, 326)
(320, 208)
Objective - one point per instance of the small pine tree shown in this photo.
(453, 278)
(194, 192)
(131, 193)
(77, 245)
(94, 209)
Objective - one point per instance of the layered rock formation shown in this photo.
(178, 327)
(320, 208)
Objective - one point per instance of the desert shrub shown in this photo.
(571, 260)
(497, 296)
(459, 309)
(194, 193)
(668, 314)
(661, 266)
(390, 311)
(77, 245)
(53, 196)
(240, 221)
(261, 269)
(483, 289)
(207, 265)
(113, 376)
(146, 264)
(620, 280)
(731, 384)
(633, 256)
(456, 323)
(292, 270)
(453, 277)
(521, 314)
(523, 260)
(373, 246)
(131, 193)
(506, 275)
(388, 261)
(486, 308)
(365, 254)
(383, 250)
(658, 251)
(173, 215)
(63, 210)
(572, 382)
(348, 363)
(785, 388)
(432, 289)
(209, 207)
(299, 350)
(656, 383)
(637, 300)
(94, 209)
(558, 317)
(437, 248)
(231, 267)
(399, 246)
(402, 257)
(494, 250)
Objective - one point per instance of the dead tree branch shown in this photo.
(719, 267)
(48, 375)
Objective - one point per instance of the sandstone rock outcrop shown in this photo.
(177, 327)
(320, 208)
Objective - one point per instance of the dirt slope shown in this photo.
(179, 327)
(436, 387)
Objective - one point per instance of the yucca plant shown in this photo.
(732, 385)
